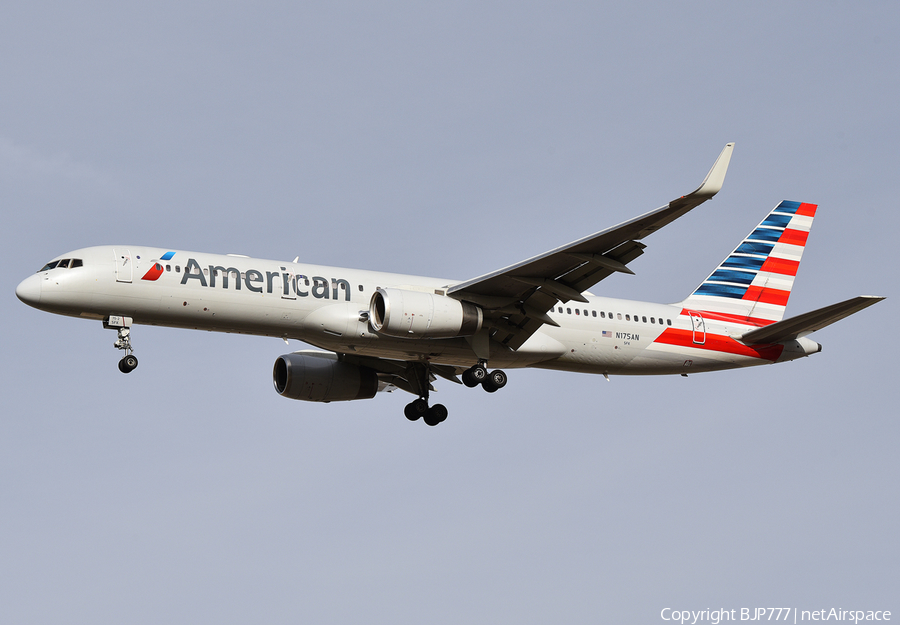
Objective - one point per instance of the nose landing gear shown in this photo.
(129, 361)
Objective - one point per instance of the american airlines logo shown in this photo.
(284, 282)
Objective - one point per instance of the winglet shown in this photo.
(712, 184)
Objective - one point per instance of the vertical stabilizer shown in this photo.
(754, 283)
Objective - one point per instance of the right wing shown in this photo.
(516, 299)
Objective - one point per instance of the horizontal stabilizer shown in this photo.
(808, 323)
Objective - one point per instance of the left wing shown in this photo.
(516, 299)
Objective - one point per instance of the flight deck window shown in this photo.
(49, 266)
(76, 262)
(63, 263)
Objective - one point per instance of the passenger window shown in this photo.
(652, 320)
(644, 319)
(577, 312)
(360, 288)
(669, 321)
(560, 309)
(593, 313)
(602, 315)
(569, 310)
(618, 315)
(627, 317)
(168, 267)
(177, 268)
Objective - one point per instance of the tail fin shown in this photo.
(753, 284)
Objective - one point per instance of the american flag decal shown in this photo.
(606, 334)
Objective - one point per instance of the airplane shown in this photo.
(382, 331)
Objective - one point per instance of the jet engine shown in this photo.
(419, 315)
(320, 376)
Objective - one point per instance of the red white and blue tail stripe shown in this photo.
(753, 284)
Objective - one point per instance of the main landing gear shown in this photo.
(490, 381)
(129, 361)
(432, 415)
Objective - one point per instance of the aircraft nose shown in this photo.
(29, 290)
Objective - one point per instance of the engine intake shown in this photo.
(418, 315)
(318, 376)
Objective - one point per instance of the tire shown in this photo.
(498, 378)
(130, 363)
(415, 409)
(469, 379)
(437, 414)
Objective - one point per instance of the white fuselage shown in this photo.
(327, 307)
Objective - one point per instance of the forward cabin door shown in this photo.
(699, 328)
(124, 265)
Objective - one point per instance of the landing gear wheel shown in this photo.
(474, 376)
(128, 364)
(415, 409)
(495, 381)
(436, 414)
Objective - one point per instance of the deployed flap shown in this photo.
(563, 273)
(808, 323)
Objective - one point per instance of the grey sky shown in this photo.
(443, 140)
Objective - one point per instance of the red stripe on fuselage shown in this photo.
(719, 343)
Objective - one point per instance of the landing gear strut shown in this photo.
(478, 374)
(129, 361)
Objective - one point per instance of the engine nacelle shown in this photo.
(318, 376)
(417, 315)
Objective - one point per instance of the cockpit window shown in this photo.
(71, 263)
